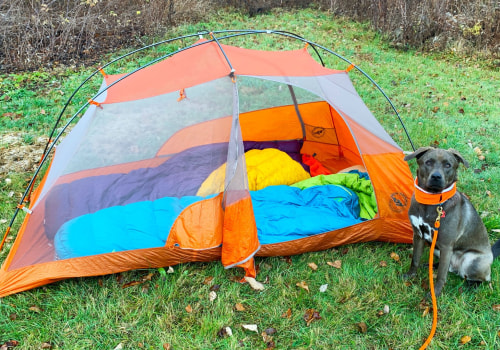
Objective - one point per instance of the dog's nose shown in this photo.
(436, 176)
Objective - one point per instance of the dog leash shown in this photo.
(437, 224)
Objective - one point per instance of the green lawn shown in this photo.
(444, 100)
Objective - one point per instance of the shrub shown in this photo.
(35, 33)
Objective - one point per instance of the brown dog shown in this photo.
(462, 245)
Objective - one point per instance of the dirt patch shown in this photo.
(20, 153)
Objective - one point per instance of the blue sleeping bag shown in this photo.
(133, 226)
(282, 213)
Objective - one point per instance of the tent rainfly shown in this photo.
(211, 152)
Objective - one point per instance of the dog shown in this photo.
(462, 244)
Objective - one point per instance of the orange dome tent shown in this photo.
(211, 152)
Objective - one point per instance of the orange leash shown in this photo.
(437, 223)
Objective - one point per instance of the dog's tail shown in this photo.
(496, 249)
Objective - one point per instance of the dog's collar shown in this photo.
(424, 197)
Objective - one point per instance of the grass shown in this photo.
(444, 100)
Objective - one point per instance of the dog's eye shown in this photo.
(428, 162)
(447, 165)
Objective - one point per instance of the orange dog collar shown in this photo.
(424, 197)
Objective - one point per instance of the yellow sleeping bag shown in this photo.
(265, 167)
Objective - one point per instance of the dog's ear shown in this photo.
(418, 153)
(459, 157)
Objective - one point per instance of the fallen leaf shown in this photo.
(426, 311)
(311, 315)
(239, 307)
(270, 345)
(131, 284)
(465, 339)
(13, 317)
(212, 296)
(386, 309)
(362, 328)
(208, 280)
(167, 346)
(287, 259)
(313, 266)
(303, 285)
(270, 331)
(42, 111)
(9, 345)
(435, 109)
(215, 287)
(250, 327)
(383, 263)
(225, 332)
(395, 256)
(119, 347)
(35, 309)
(461, 111)
(287, 314)
(46, 346)
(170, 269)
(189, 309)
(337, 264)
(254, 284)
(148, 277)
(323, 288)
(496, 307)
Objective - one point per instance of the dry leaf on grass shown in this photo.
(395, 257)
(225, 332)
(9, 345)
(323, 288)
(313, 266)
(496, 307)
(362, 328)
(383, 263)
(287, 314)
(141, 281)
(189, 309)
(311, 315)
(239, 307)
(465, 339)
(167, 346)
(215, 287)
(254, 284)
(337, 264)
(35, 308)
(251, 327)
(426, 311)
(212, 296)
(303, 285)
(208, 280)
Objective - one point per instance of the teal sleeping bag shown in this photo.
(359, 184)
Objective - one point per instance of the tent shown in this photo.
(210, 152)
